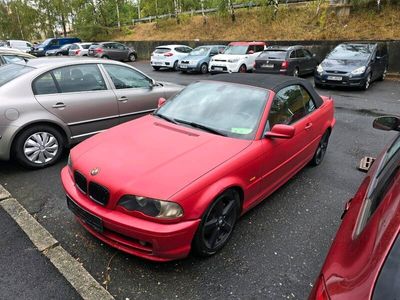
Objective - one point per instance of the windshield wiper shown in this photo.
(165, 118)
(200, 126)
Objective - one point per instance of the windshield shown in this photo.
(274, 54)
(86, 46)
(236, 50)
(200, 51)
(66, 46)
(47, 41)
(351, 52)
(12, 71)
(232, 110)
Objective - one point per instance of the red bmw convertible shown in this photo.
(177, 180)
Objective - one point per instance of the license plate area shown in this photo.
(93, 221)
(218, 68)
(268, 66)
(183, 66)
(335, 78)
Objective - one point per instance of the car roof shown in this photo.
(285, 48)
(13, 52)
(269, 82)
(43, 62)
(171, 46)
(247, 44)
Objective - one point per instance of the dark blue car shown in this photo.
(53, 43)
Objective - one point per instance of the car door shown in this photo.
(135, 92)
(79, 96)
(309, 61)
(284, 157)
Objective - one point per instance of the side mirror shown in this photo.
(387, 123)
(161, 102)
(281, 131)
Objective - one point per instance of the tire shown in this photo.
(295, 72)
(175, 67)
(156, 68)
(321, 150)
(217, 224)
(204, 68)
(59, 54)
(367, 83)
(242, 69)
(382, 78)
(132, 57)
(47, 153)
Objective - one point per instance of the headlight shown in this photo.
(152, 207)
(40, 49)
(235, 60)
(320, 69)
(358, 71)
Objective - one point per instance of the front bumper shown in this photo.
(162, 63)
(139, 237)
(223, 67)
(340, 79)
(38, 53)
(189, 68)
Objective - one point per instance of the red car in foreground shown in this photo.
(364, 259)
(178, 179)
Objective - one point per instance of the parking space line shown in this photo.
(69, 267)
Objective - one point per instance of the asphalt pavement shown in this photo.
(277, 248)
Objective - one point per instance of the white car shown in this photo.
(23, 46)
(79, 49)
(168, 56)
(237, 57)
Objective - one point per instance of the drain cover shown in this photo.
(366, 163)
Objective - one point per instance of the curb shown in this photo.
(73, 271)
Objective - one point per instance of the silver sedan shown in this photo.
(48, 104)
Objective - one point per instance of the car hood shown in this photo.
(342, 65)
(194, 57)
(229, 56)
(152, 157)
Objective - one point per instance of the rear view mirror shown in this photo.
(281, 131)
(387, 123)
(161, 102)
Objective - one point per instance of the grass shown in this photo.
(291, 23)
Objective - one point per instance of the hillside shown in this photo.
(292, 23)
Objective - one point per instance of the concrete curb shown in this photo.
(69, 267)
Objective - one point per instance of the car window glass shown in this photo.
(86, 46)
(54, 43)
(187, 49)
(74, 47)
(292, 54)
(44, 85)
(9, 59)
(79, 78)
(381, 183)
(259, 48)
(162, 50)
(288, 106)
(126, 78)
(307, 53)
(119, 46)
(308, 101)
(299, 53)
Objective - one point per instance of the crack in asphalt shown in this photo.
(363, 111)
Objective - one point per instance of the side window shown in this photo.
(54, 43)
(381, 183)
(214, 51)
(119, 46)
(292, 54)
(187, 50)
(307, 53)
(74, 47)
(299, 53)
(106, 46)
(44, 85)
(259, 48)
(9, 59)
(288, 106)
(126, 78)
(79, 78)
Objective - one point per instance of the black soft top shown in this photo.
(269, 82)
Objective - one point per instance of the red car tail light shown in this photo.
(168, 54)
(98, 50)
(285, 64)
(319, 291)
(77, 52)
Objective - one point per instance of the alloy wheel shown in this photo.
(321, 150)
(41, 147)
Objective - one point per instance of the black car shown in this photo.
(60, 51)
(112, 50)
(286, 60)
(353, 65)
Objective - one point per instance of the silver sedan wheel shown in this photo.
(41, 147)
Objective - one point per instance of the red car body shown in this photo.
(361, 248)
(161, 160)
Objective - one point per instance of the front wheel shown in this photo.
(383, 76)
(321, 150)
(243, 69)
(204, 68)
(132, 57)
(217, 224)
(39, 147)
(367, 83)
(156, 68)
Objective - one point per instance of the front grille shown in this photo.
(218, 67)
(184, 61)
(80, 182)
(98, 193)
(223, 60)
(336, 72)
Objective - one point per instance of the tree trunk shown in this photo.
(231, 10)
(63, 25)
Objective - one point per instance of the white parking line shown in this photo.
(69, 267)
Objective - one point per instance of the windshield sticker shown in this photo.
(241, 130)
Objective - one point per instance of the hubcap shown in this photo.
(219, 223)
(367, 83)
(296, 73)
(41, 147)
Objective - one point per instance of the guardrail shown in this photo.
(210, 10)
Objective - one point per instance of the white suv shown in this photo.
(237, 57)
(168, 56)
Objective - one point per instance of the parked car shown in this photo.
(9, 56)
(353, 65)
(237, 57)
(64, 50)
(232, 141)
(79, 49)
(53, 43)
(199, 58)
(51, 103)
(112, 50)
(168, 56)
(363, 261)
(24, 46)
(286, 60)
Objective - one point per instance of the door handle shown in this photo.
(123, 99)
(308, 126)
(59, 105)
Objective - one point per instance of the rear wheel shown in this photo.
(39, 146)
(296, 72)
(132, 57)
(175, 67)
(217, 224)
(204, 68)
(243, 69)
(383, 74)
(367, 83)
(59, 54)
(156, 68)
(321, 150)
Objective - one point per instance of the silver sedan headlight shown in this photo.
(358, 71)
(320, 69)
(151, 207)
